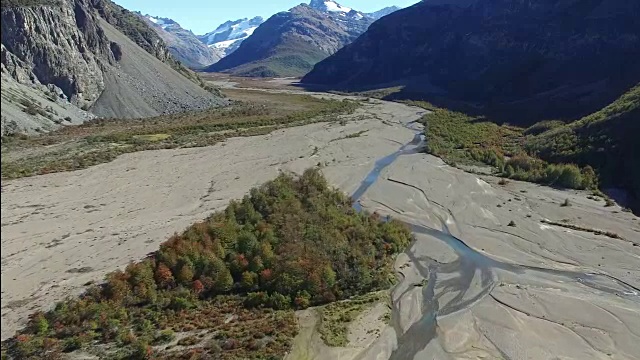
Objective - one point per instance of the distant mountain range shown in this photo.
(291, 42)
(183, 44)
(200, 51)
(227, 37)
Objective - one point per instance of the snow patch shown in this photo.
(335, 7)
(223, 44)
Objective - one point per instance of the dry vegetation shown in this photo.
(95, 142)
(336, 317)
(225, 288)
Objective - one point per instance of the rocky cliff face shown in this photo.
(290, 43)
(541, 58)
(60, 45)
(56, 53)
(133, 27)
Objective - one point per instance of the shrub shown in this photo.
(72, 344)
(571, 177)
(279, 301)
(180, 303)
(164, 336)
(256, 299)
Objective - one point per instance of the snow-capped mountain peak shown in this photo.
(162, 22)
(329, 5)
(228, 36)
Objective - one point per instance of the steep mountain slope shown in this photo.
(69, 53)
(183, 44)
(290, 43)
(227, 37)
(542, 58)
(606, 140)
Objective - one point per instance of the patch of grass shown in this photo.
(350, 136)
(103, 140)
(152, 137)
(460, 138)
(565, 224)
(336, 317)
(236, 276)
(163, 337)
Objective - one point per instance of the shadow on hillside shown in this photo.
(566, 103)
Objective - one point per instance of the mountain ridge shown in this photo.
(182, 44)
(495, 55)
(290, 42)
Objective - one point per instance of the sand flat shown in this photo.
(529, 291)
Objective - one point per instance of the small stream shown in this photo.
(474, 274)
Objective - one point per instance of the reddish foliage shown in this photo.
(198, 286)
(50, 343)
(22, 338)
(266, 274)
(242, 261)
(163, 276)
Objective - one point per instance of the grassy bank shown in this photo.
(463, 139)
(336, 317)
(100, 141)
(227, 285)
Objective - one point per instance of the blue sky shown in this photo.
(202, 16)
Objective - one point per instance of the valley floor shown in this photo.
(500, 281)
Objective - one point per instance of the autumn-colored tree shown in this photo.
(197, 286)
(265, 276)
(117, 287)
(141, 280)
(163, 276)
